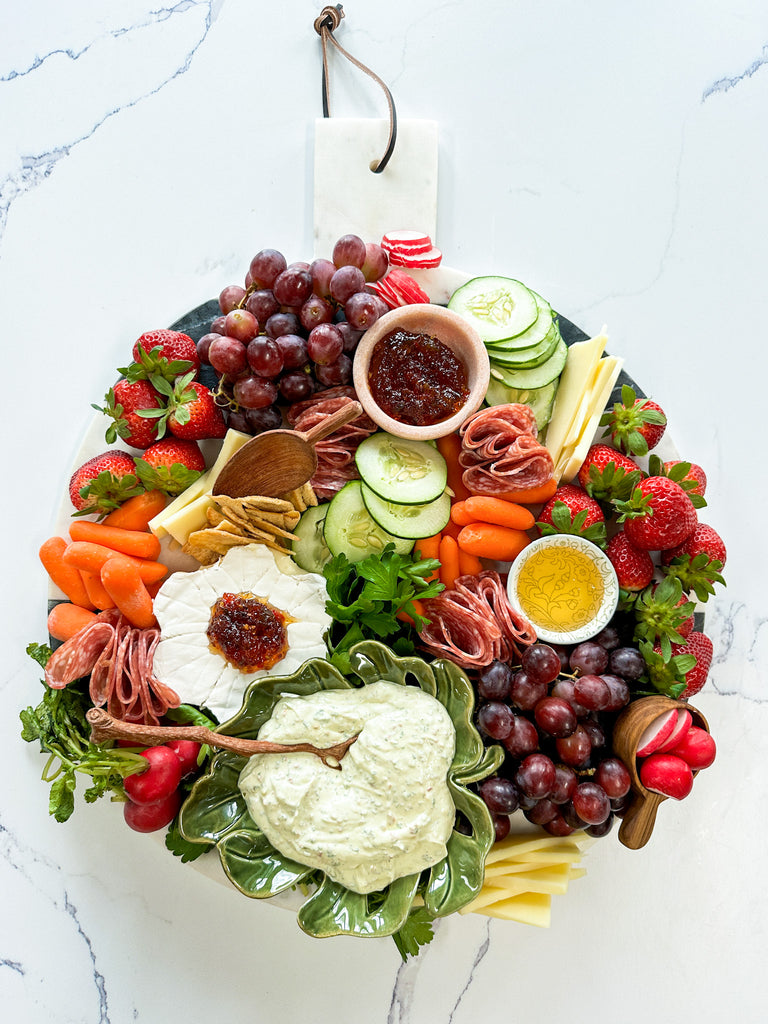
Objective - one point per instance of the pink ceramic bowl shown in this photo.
(449, 328)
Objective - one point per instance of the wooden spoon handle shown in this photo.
(638, 822)
(337, 419)
(105, 727)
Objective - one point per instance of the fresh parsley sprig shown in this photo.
(366, 597)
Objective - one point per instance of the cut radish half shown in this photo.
(422, 261)
(668, 775)
(683, 724)
(657, 733)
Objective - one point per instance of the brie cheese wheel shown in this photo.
(184, 658)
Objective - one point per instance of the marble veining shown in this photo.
(731, 81)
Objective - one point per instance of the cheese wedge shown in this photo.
(233, 441)
(580, 365)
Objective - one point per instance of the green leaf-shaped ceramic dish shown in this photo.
(215, 811)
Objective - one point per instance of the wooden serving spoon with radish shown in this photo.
(629, 734)
(104, 727)
(278, 461)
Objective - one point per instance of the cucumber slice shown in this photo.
(310, 552)
(525, 358)
(400, 470)
(497, 307)
(350, 529)
(540, 329)
(412, 521)
(532, 377)
(541, 400)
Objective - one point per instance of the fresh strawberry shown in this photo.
(193, 412)
(103, 483)
(607, 474)
(571, 510)
(689, 663)
(658, 515)
(170, 465)
(697, 562)
(634, 568)
(634, 424)
(169, 353)
(124, 404)
(693, 475)
(662, 613)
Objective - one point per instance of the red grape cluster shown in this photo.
(291, 330)
(553, 714)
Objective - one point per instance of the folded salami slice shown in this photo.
(500, 451)
(77, 657)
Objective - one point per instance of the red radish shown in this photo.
(667, 774)
(187, 752)
(657, 733)
(406, 241)
(697, 748)
(151, 817)
(683, 724)
(432, 258)
(158, 781)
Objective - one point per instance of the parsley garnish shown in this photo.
(365, 598)
(415, 932)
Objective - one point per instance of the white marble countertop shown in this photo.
(610, 155)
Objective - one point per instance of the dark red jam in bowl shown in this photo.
(249, 633)
(416, 379)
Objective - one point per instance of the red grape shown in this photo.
(345, 282)
(282, 323)
(322, 271)
(349, 335)
(262, 304)
(293, 286)
(542, 812)
(494, 681)
(295, 387)
(536, 776)
(362, 310)
(619, 692)
(376, 262)
(592, 692)
(231, 297)
(263, 419)
(265, 266)
(589, 658)
(349, 251)
(574, 750)
(541, 663)
(523, 738)
(499, 795)
(294, 350)
(526, 693)
(555, 716)
(614, 778)
(566, 781)
(254, 392)
(591, 803)
(264, 357)
(204, 345)
(227, 355)
(495, 719)
(627, 662)
(338, 372)
(324, 344)
(241, 324)
(315, 310)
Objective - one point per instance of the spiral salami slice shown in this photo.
(474, 624)
(335, 453)
(77, 657)
(500, 451)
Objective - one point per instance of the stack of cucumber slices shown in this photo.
(401, 496)
(522, 336)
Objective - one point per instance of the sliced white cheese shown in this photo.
(583, 357)
(608, 373)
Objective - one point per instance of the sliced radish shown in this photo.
(667, 774)
(421, 261)
(697, 748)
(405, 286)
(656, 733)
(385, 293)
(683, 724)
(406, 241)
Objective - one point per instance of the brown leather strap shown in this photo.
(326, 22)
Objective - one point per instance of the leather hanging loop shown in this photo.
(326, 23)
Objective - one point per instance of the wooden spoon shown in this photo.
(640, 817)
(105, 727)
(279, 461)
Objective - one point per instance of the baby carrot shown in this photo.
(489, 541)
(496, 510)
(429, 547)
(136, 512)
(128, 542)
(532, 495)
(451, 529)
(91, 557)
(450, 448)
(65, 619)
(124, 585)
(469, 565)
(96, 591)
(65, 576)
(403, 615)
(460, 513)
(449, 562)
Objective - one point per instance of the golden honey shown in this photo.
(560, 588)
